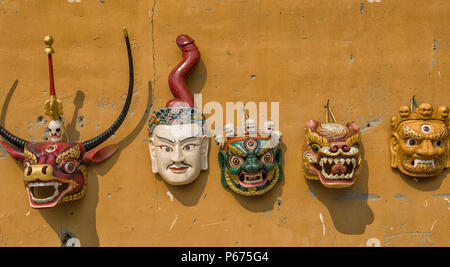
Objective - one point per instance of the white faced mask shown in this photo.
(179, 152)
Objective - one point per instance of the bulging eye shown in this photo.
(165, 148)
(236, 161)
(438, 143)
(267, 158)
(70, 166)
(315, 148)
(412, 142)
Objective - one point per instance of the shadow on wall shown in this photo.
(78, 217)
(71, 134)
(424, 184)
(348, 207)
(197, 79)
(3, 117)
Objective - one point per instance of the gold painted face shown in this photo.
(420, 143)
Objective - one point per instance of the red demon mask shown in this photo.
(56, 171)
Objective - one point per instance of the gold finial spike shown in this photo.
(125, 32)
(48, 41)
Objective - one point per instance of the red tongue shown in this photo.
(338, 168)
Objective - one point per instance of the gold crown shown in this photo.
(424, 112)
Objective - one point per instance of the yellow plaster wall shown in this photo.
(367, 57)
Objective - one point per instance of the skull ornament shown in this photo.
(250, 165)
(420, 142)
(404, 111)
(56, 172)
(331, 154)
(55, 130)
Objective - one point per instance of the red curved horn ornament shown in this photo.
(177, 82)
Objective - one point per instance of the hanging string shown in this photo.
(329, 111)
(413, 103)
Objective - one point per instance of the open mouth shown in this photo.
(46, 194)
(337, 170)
(249, 180)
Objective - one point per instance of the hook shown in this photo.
(328, 110)
(413, 101)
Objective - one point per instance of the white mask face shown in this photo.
(179, 152)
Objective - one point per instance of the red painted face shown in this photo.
(56, 172)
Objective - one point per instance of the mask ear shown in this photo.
(223, 158)
(312, 124)
(204, 150)
(151, 148)
(100, 154)
(13, 151)
(394, 146)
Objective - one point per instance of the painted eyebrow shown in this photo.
(189, 138)
(263, 151)
(408, 132)
(440, 135)
(165, 139)
(236, 151)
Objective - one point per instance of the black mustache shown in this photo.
(183, 163)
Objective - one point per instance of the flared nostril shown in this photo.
(29, 170)
(44, 170)
(346, 148)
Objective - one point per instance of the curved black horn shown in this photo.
(96, 141)
(14, 140)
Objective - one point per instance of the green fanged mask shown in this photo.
(251, 165)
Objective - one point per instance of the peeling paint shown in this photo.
(445, 195)
(372, 123)
(373, 242)
(81, 121)
(170, 195)
(432, 226)
(398, 196)
(323, 224)
(356, 195)
(173, 223)
(215, 223)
